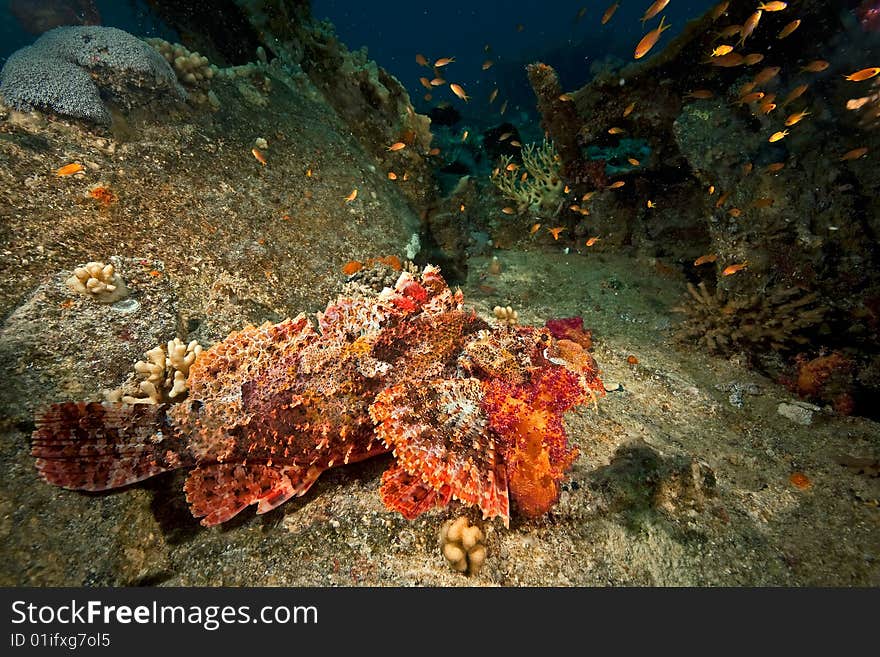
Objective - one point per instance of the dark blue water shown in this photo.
(510, 34)
(393, 32)
(133, 16)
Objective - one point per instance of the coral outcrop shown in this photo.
(67, 70)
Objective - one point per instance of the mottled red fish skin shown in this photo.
(270, 408)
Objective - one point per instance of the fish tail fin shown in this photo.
(96, 446)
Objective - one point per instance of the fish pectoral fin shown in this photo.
(217, 492)
(403, 492)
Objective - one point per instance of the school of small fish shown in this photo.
(753, 95)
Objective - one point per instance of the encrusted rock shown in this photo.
(799, 412)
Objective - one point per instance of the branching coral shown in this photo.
(462, 545)
(98, 281)
(164, 374)
(506, 315)
(775, 320)
(540, 187)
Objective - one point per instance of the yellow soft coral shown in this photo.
(541, 187)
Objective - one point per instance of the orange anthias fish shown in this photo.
(259, 156)
(352, 196)
(654, 9)
(857, 103)
(487, 64)
(592, 241)
(719, 10)
(443, 61)
(795, 118)
(555, 231)
(650, 39)
(69, 169)
(816, 66)
(699, 94)
(753, 58)
(855, 153)
(703, 259)
(795, 93)
(396, 146)
(534, 229)
(776, 136)
(732, 269)
(864, 74)
(723, 49)
(458, 91)
(772, 6)
(628, 109)
(766, 74)
(609, 13)
(421, 60)
(729, 60)
(749, 26)
(788, 29)
(617, 184)
(616, 131)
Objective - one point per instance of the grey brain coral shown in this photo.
(69, 68)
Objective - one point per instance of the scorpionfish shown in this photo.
(470, 411)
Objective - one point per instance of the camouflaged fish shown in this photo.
(471, 412)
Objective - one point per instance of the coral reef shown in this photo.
(68, 68)
(539, 189)
(461, 544)
(467, 410)
(98, 281)
(777, 320)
